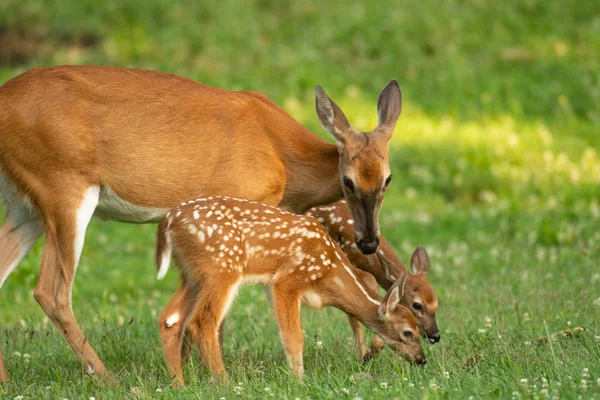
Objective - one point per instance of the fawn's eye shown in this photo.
(407, 333)
(418, 306)
(387, 182)
(348, 183)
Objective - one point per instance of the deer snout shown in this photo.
(368, 245)
(434, 337)
(421, 361)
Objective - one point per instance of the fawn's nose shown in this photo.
(421, 361)
(435, 337)
(368, 246)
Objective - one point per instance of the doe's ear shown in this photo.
(419, 262)
(389, 105)
(332, 118)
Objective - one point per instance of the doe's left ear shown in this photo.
(389, 105)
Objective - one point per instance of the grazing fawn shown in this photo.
(220, 243)
(386, 268)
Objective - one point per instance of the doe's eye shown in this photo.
(418, 306)
(407, 333)
(348, 183)
(387, 182)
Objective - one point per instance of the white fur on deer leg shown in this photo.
(172, 320)
(84, 214)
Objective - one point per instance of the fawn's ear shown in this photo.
(393, 296)
(419, 262)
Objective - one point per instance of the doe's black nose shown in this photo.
(368, 246)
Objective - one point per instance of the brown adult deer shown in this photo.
(220, 243)
(128, 145)
(386, 267)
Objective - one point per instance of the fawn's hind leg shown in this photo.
(213, 303)
(172, 322)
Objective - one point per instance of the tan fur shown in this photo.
(150, 140)
(334, 218)
(220, 243)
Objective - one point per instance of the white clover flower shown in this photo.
(598, 382)
(92, 398)
(523, 381)
(16, 354)
(411, 385)
(528, 343)
(446, 374)
(18, 398)
(597, 301)
(48, 387)
(526, 317)
(345, 391)
(352, 379)
(383, 385)
(237, 389)
(158, 390)
(319, 344)
(480, 330)
(267, 389)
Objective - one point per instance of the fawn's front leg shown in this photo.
(286, 305)
(359, 335)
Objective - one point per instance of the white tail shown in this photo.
(128, 145)
(164, 246)
(222, 243)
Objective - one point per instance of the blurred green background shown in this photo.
(496, 172)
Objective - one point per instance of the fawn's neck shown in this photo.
(359, 300)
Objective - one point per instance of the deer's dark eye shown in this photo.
(348, 183)
(387, 182)
(407, 333)
(418, 306)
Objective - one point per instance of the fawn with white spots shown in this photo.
(418, 294)
(220, 243)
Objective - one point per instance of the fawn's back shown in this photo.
(258, 241)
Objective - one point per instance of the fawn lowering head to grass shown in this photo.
(386, 268)
(220, 243)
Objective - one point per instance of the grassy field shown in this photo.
(496, 172)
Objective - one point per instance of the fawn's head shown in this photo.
(399, 326)
(364, 166)
(419, 296)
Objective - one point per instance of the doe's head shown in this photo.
(364, 166)
(399, 326)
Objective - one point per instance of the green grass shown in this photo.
(496, 172)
